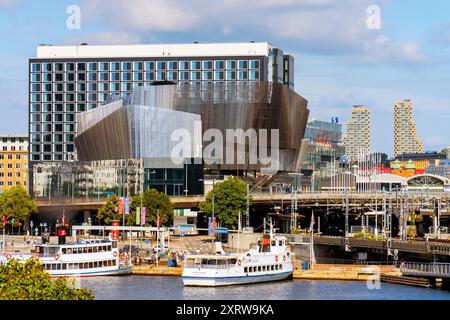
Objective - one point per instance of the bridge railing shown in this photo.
(426, 268)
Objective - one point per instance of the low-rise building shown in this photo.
(13, 160)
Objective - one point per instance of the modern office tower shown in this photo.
(324, 145)
(66, 80)
(13, 160)
(357, 135)
(405, 134)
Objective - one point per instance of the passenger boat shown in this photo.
(84, 258)
(270, 261)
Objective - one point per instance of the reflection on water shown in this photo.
(171, 288)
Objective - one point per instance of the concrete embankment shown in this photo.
(343, 272)
(162, 270)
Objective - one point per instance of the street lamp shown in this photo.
(294, 204)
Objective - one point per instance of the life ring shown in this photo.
(115, 254)
(239, 262)
(276, 258)
(8, 256)
(284, 258)
(56, 256)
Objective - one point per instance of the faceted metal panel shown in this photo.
(222, 106)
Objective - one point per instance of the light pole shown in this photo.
(294, 202)
(212, 218)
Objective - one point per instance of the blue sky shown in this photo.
(339, 62)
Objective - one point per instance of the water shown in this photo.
(171, 288)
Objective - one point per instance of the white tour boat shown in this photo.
(85, 258)
(270, 261)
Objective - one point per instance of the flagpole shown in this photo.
(311, 242)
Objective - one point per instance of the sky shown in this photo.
(347, 52)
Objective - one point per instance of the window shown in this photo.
(149, 76)
(115, 76)
(231, 64)
(149, 65)
(184, 65)
(172, 76)
(36, 77)
(195, 75)
(126, 66)
(160, 76)
(92, 66)
(231, 75)
(104, 66)
(184, 75)
(126, 76)
(207, 64)
(242, 64)
(242, 75)
(92, 76)
(9, 183)
(195, 65)
(10, 156)
(137, 66)
(161, 65)
(254, 75)
(218, 64)
(172, 65)
(70, 66)
(36, 67)
(254, 64)
(115, 66)
(18, 166)
(207, 75)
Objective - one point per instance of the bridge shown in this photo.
(356, 199)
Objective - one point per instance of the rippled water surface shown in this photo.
(167, 288)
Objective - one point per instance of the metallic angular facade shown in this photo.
(115, 132)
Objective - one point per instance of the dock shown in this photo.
(343, 272)
(152, 270)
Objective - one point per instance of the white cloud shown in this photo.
(142, 15)
(104, 38)
(316, 26)
(8, 4)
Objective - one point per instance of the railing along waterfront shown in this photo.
(432, 269)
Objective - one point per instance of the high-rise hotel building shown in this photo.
(357, 135)
(13, 160)
(406, 140)
(66, 80)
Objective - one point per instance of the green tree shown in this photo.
(230, 198)
(153, 201)
(30, 281)
(108, 212)
(16, 203)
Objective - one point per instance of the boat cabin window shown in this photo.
(280, 243)
(274, 243)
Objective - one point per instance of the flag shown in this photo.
(214, 226)
(312, 222)
(138, 215)
(120, 205)
(4, 220)
(127, 205)
(158, 220)
(143, 215)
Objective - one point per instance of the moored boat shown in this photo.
(270, 261)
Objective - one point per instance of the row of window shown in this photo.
(10, 156)
(36, 137)
(13, 140)
(58, 107)
(48, 148)
(135, 76)
(145, 65)
(10, 183)
(80, 265)
(264, 268)
(57, 117)
(58, 127)
(105, 248)
(13, 148)
(47, 157)
(2, 165)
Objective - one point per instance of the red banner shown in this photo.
(120, 206)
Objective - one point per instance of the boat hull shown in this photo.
(205, 281)
(117, 272)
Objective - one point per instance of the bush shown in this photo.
(30, 281)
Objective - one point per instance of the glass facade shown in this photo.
(324, 146)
